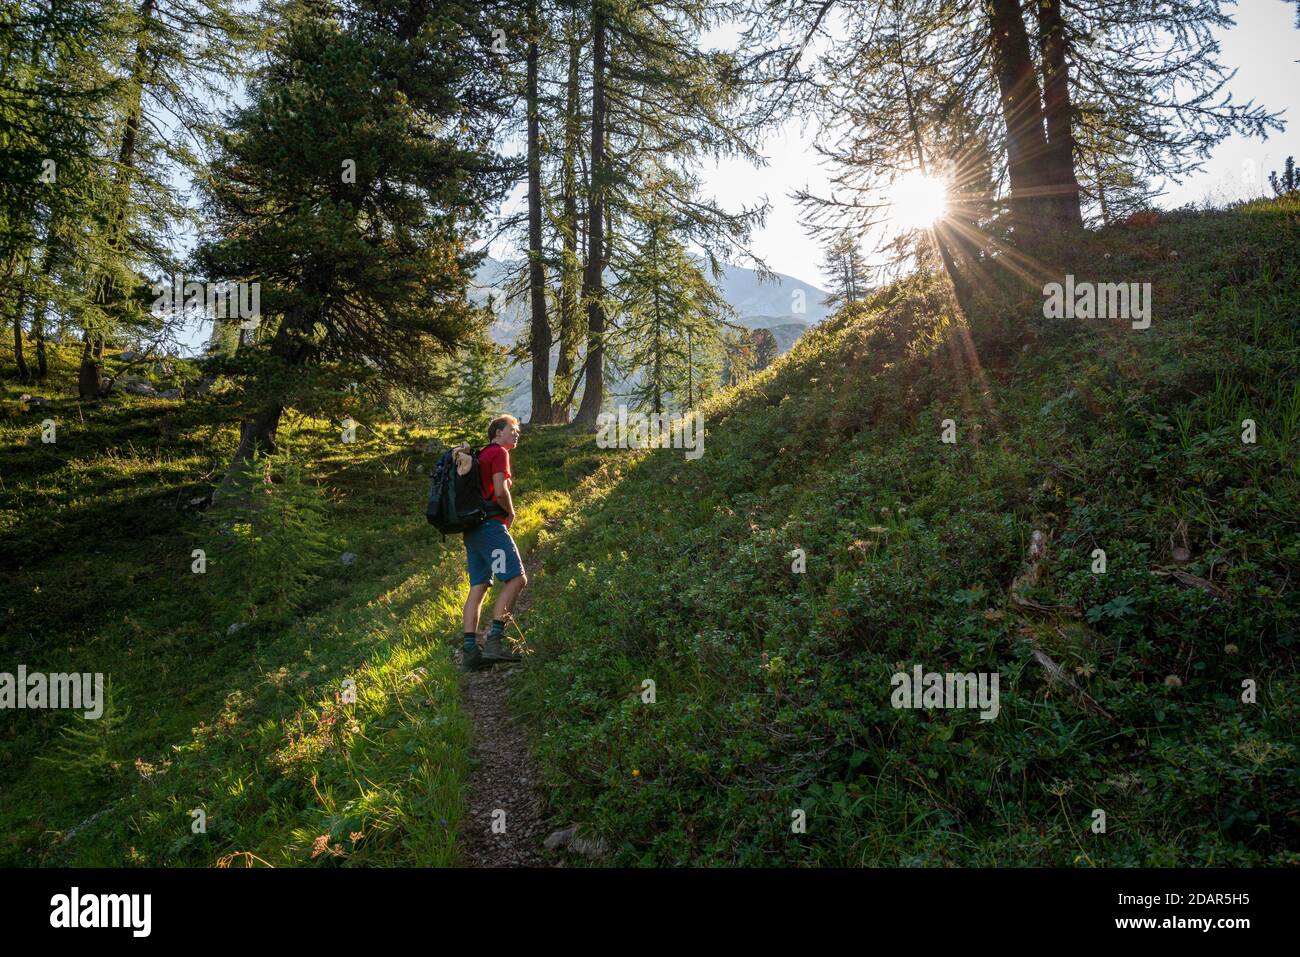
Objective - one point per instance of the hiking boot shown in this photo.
(474, 661)
(492, 651)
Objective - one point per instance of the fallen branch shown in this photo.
(1193, 581)
(1030, 605)
(1056, 673)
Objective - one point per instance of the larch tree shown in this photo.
(671, 315)
(845, 270)
(660, 104)
(1041, 84)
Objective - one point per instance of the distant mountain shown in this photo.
(785, 305)
(785, 332)
(754, 299)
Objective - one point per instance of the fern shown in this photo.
(88, 749)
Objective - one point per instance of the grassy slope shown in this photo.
(773, 688)
(249, 727)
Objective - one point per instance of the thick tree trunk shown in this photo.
(1022, 111)
(569, 278)
(541, 329)
(1058, 113)
(90, 384)
(593, 393)
(257, 432)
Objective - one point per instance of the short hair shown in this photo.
(499, 423)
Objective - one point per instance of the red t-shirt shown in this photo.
(491, 460)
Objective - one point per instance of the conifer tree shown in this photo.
(349, 187)
(98, 84)
(1288, 182)
(569, 266)
(845, 270)
(177, 55)
(53, 84)
(660, 103)
(671, 315)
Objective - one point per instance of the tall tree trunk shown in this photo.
(38, 334)
(659, 342)
(593, 393)
(1101, 194)
(1023, 114)
(569, 278)
(11, 267)
(24, 373)
(1058, 113)
(658, 372)
(690, 372)
(540, 333)
(89, 381)
(42, 304)
(105, 295)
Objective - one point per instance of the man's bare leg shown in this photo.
(506, 600)
(473, 605)
(493, 650)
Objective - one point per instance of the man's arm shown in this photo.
(503, 494)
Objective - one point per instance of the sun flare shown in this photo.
(918, 200)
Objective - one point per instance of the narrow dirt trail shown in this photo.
(502, 776)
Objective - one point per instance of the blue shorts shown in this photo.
(491, 550)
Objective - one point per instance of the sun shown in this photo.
(917, 200)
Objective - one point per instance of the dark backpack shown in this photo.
(456, 502)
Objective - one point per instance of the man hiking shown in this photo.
(490, 550)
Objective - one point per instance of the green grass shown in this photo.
(252, 728)
(773, 688)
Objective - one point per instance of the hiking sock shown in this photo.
(493, 650)
(470, 641)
